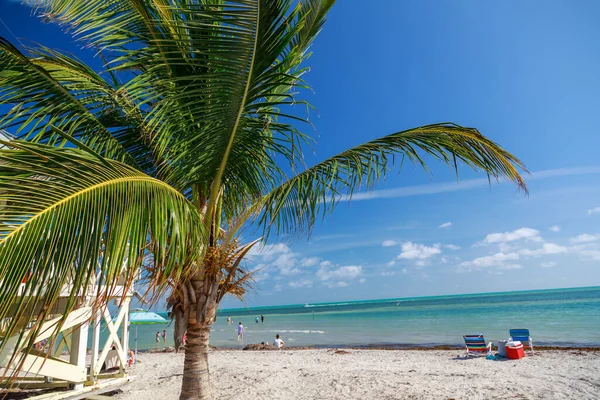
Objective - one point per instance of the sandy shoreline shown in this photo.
(374, 374)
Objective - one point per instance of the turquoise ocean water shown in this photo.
(560, 317)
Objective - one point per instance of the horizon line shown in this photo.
(409, 298)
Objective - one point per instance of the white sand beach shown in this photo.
(375, 374)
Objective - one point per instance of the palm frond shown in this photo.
(69, 219)
(215, 81)
(295, 205)
(236, 280)
(111, 25)
(55, 91)
(246, 127)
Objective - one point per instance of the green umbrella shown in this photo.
(139, 316)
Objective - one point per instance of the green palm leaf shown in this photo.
(41, 100)
(70, 219)
(215, 79)
(109, 105)
(295, 205)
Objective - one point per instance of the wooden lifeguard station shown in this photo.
(57, 376)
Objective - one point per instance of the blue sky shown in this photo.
(523, 73)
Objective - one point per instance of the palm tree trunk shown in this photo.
(196, 383)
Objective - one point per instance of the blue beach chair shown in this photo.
(476, 345)
(522, 335)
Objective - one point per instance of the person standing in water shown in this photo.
(240, 331)
(164, 335)
(158, 337)
(256, 319)
(262, 319)
(228, 320)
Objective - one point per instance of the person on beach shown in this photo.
(278, 342)
(262, 319)
(228, 320)
(256, 319)
(130, 358)
(164, 335)
(158, 337)
(240, 331)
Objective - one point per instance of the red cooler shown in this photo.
(514, 350)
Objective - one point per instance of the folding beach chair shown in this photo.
(476, 345)
(522, 335)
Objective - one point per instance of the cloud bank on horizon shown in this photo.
(495, 254)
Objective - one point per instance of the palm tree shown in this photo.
(181, 141)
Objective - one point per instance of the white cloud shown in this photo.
(277, 288)
(391, 263)
(302, 283)
(342, 273)
(388, 243)
(309, 261)
(586, 248)
(586, 245)
(415, 251)
(404, 270)
(269, 251)
(585, 238)
(594, 211)
(554, 228)
(277, 255)
(337, 284)
(452, 247)
(507, 247)
(445, 225)
(281, 261)
(362, 280)
(546, 249)
(593, 254)
(388, 273)
(286, 263)
(518, 234)
(510, 266)
(548, 264)
(496, 260)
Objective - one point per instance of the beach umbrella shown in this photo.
(139, 316)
